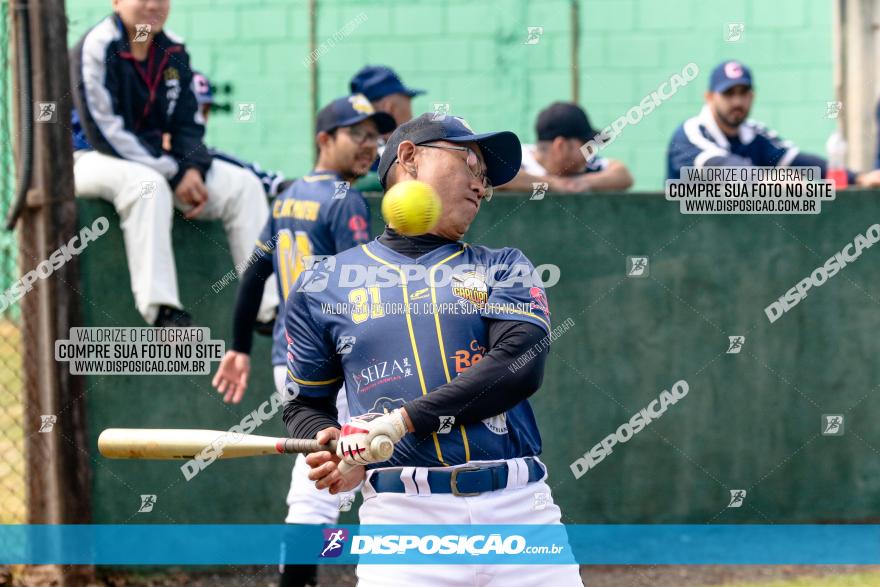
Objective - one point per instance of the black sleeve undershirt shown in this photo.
(304, 417)
(247, 302)
(489, 387)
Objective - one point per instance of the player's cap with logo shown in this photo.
(564, 119)
(377, 81)
(501, 150)
(729, 74)
(350, 110)
(202, 86)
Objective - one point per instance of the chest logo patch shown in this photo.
(471, 287)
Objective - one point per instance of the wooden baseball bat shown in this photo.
(174, 443)
(185, 444)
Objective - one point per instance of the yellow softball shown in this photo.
(411, 207)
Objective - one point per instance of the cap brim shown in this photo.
(412, 93)
(384, 122)
(501, 152)
(726, 85)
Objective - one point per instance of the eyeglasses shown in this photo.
(361, 135)
(473, 163)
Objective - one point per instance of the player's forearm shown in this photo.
(305, 416)
(524, 182)
(247, 302)
(615, 178)
(521, 183)
(489, 387)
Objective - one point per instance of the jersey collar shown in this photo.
(745, 131)
(432, 257)
(321, 175)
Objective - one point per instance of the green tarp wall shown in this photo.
(751, 420)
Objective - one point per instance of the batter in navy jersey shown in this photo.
(722, 134)
(423, 331)
(388, 371)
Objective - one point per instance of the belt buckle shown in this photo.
(453, 481)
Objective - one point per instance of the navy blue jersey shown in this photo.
(699, 143)
(342, 328)
(318, 214)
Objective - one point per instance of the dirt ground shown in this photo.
(343, 576)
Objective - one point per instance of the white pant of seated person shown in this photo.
(235, 196)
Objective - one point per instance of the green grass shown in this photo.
(12, 471)
(847, 580)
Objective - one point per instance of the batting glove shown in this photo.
(353, 445)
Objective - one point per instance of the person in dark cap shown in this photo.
(383, 88)
(320, 214)
(721, 134)
(557, 160)
(467, 443)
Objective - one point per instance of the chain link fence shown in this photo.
(13, 502)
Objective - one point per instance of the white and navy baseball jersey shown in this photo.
(699, 142)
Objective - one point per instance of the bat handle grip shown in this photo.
(381, 449)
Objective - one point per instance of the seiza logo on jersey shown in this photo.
(382, 372)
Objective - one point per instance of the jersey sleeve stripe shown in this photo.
(506, 309)
(789, 156)
(304, 382)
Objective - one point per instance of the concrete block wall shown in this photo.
(473, 56)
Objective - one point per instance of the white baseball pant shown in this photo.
(306, 504)
(516, 504)
(145, 204)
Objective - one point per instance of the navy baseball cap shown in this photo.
(729, 74)
(564, 119)
(501, 150)
(350, 110)
(377, 81)
(204, 95)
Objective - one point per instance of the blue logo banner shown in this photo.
(649, 544)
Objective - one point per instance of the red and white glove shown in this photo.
(356, 438)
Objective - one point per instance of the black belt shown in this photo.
(464, 481)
